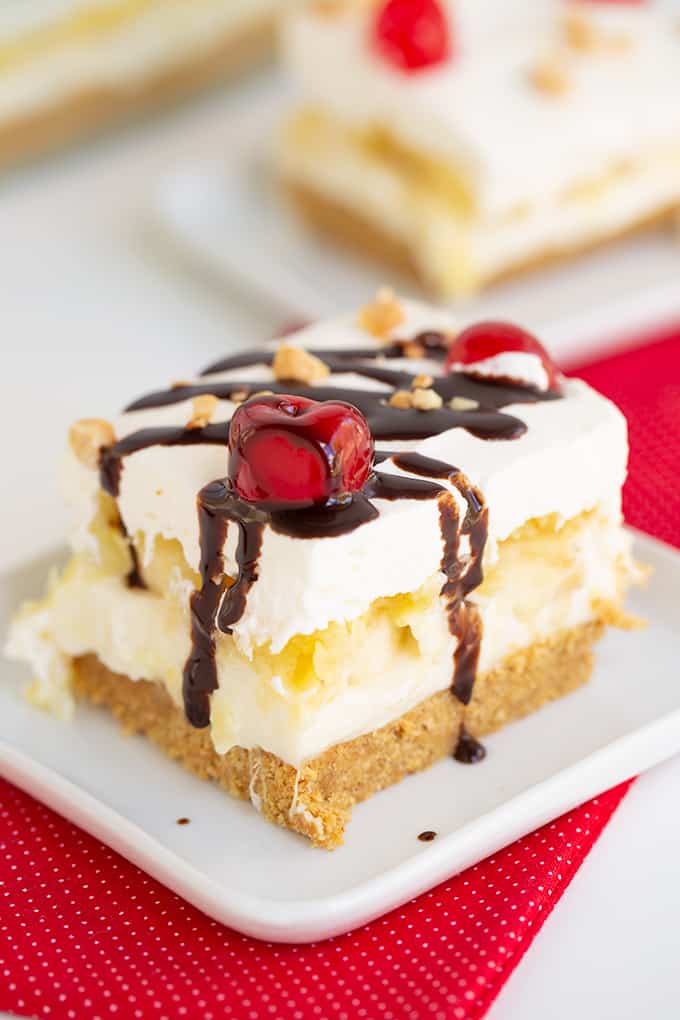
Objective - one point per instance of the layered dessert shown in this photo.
(326, 563)
(465, 141)
(69, 66)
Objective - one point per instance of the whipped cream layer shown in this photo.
(510, 142)
(571, 459)
(51, 49)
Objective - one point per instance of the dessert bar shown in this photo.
(327, 563)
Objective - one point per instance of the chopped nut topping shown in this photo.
(263, 393)
(422, 382)
(463, 404)
(402, 399)
(87, 437)
(414, 350)
(587, 36)
(330, 8)
(426, 400)
(550, 76)
(203, 408)
(296, 363)
(381, 315)
(238, 396)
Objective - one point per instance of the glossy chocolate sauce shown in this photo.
(220, 602)
(216, 603)
(134, 578)
(486, 421)
(469, 751)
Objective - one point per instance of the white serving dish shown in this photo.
(270, 883)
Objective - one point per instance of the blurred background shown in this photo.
(143, 234)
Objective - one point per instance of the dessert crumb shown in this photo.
(427, 836)
(183, 821)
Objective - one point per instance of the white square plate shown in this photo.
(230, 219)
(272, 884)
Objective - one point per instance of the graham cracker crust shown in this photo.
(357, 233)
(92, 109)
(317, 801)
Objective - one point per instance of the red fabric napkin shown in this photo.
(85, 934)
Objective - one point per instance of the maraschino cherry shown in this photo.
(412, 34)
(472, 350)
(288, 451)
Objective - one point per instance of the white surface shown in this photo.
(78, 279)
(572, 307)
(272, 885)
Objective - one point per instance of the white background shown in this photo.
(94, 309)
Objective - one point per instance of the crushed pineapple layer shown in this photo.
(325, 687)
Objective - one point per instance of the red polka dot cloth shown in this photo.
(86, 935)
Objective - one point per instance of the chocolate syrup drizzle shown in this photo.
(468, 751)
(220, 603)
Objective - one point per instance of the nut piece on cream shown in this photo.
(297, 364)
(87, 437)
(204, 407)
